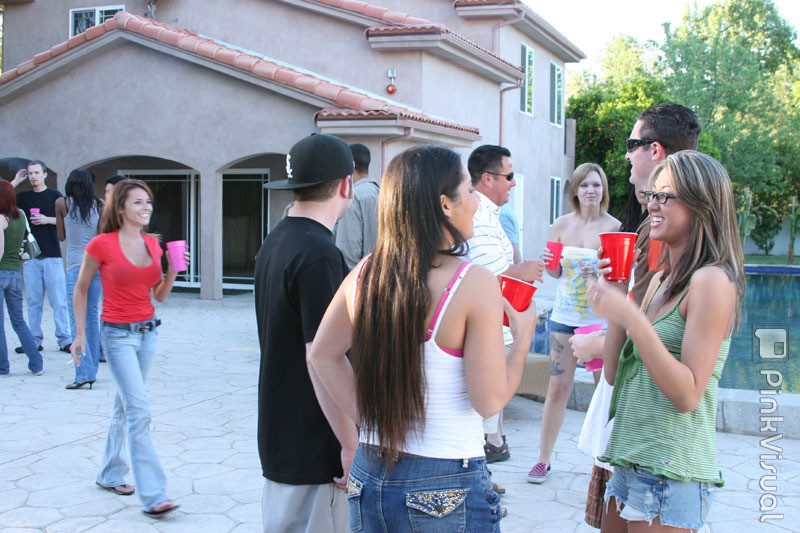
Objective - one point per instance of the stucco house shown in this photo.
(202, 99)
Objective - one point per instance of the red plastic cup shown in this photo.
(35, 210)
(176, 251)
(654, 255)
(517, 292)
(555, 249)
(618, 246)
(597, 362)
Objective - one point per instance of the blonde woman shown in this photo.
(666, 373)
(580, 232)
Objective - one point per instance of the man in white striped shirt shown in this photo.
(492, 176)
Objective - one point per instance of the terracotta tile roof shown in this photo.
(435, 28)
(373, 11)
(340, 95)
(458, 3)
(403, 23)
(390, 112)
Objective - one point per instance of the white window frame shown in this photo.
(527, 63)
(556, 95)
(97, 13)
(519, 208)
(555, 198)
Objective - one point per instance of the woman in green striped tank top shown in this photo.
(666, 358)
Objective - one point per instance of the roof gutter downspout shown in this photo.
(500, 114)
(386, 142)
(496, 31)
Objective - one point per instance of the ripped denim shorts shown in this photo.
(421, 494)
(683, 504)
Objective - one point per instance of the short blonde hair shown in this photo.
(577, 178)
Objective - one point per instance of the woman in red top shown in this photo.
(129, 261)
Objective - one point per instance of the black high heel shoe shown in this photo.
(79, 384)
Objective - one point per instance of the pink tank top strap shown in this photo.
(358, 277)
(448, 292)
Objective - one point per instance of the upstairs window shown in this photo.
(526, 94)
(556, 94)
(555, 199)
(82, 19)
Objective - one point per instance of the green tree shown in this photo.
(605, 111)
(734, 62)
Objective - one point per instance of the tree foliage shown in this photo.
(735, 64)
(605, 110)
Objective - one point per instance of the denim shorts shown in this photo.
(683, 504)
(558, 327)
(421, 494)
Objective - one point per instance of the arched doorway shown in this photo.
(249, 212)
(176, 207)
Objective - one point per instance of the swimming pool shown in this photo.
(769, 300)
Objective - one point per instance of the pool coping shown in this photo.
(738, 410)
(756, 268)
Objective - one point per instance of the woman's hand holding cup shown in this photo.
(521, 323)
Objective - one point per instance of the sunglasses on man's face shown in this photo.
(509, 176)
(632, 144)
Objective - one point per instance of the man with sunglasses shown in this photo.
(660, 130)
(492, 174)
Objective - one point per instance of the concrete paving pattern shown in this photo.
(202, 388)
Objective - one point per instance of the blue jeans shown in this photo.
(129, 356)
(421, 494)
(87, 371)
(681, 504)
(40, 275)
(11, 289)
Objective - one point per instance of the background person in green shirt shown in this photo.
(666, 373)
(12, 224)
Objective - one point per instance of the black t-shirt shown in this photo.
(298, 270)
(45, 234)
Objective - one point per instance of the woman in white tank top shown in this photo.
(427, 358)
(580, 232)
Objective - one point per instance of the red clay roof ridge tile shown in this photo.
(354, 102)
(373, 11)
(436, 28)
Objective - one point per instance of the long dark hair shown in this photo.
(393, 295)
(632, 216)
(111, 220)
(8, 200)
(80, 188)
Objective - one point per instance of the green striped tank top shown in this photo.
(648, 431)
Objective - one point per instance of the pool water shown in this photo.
(769, 300)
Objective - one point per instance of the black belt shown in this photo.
(136, 327)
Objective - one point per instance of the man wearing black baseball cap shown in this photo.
(306, 443)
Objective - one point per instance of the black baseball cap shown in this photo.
(313, 160)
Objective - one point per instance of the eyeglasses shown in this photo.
(509, 176)
(633, 144)
(660, 197)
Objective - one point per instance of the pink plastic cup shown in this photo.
(176, 251)
(517, 292)
(597, 362)
(654, 255)
(35, 210)
(555, 249)
(618, 246)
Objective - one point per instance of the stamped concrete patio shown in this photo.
(203, 394)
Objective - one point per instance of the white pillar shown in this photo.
(210, 216)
